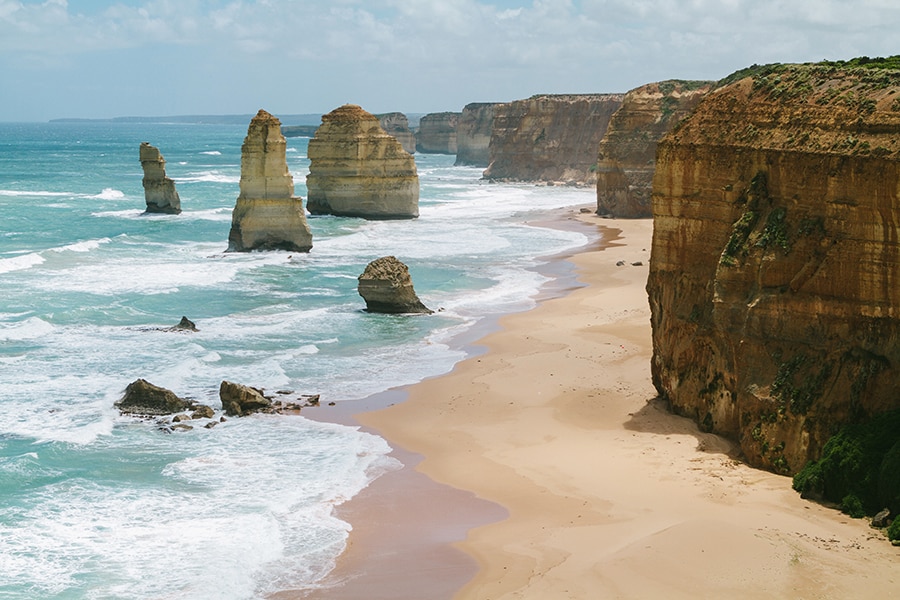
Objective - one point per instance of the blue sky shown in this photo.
(106, 58)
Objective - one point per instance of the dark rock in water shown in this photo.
(211, 424)
(201, 411)
(159, 190)
(881, 519)
(144, 398)
(185, 325)
(239, 400)
(386, 287)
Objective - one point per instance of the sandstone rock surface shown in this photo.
(267, 215)
(239, 400)
(626, 158)
(358, 170)
(386, 287)
(159, 190)
(775, 269)
(437, 133)
(143, 398)
(550, 138)
(397, 125)
(473, 134)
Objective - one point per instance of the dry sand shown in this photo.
(607, 494)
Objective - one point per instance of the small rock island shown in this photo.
(159, 190)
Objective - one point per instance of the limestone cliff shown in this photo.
(267, 215)
(626, 157)
(397, 125)
(473, 134)
(159, 191)
(358, 170)
(550, 138)
(437, 133)
(775, 270)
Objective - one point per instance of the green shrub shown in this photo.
(858, 464)
(893, 532)
(852, 506)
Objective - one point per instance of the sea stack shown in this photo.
(267, 215)
(473, 134)
(397, 124)
(437, 133)
(386, 287)
(626, 158)
(359, 170)
(774, 281)
(159, 190)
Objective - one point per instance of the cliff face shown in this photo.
(473, 134)
(550, 138)
(775, 270)
(626, 157)
(437, 133)
(397, 125)
(159, 190)
(358, 170)
(267, 215)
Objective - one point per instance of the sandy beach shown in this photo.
(574, 482)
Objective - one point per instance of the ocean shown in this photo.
(102, 506)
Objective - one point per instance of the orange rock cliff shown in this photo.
(775, 269)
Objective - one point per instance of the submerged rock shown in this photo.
(386, 287)
(267, 215)
(144, 398)
(358, 170)
(159, 190)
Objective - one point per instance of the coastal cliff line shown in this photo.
(774, 279)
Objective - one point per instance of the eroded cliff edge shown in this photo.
(775, 270)
(626, 158)
(549, 137)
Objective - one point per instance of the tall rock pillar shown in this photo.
(267, 215)
(159, 190)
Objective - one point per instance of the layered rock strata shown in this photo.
(437, 133)
(358, 170)
(267, 215)
(386, 287)
(775, 270)
(550, 138)
(397, 125)
(473, 134)
(626, 158)
(159, 190)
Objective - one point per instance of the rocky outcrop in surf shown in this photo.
(473, 134)
(775, 269)
(397, 125)
(267, 215)
(550, 138)
(159, 190)
(386, 287)
(437, 133)
(626, 158)
(359, 170)
(143, 398)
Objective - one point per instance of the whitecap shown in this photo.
(33, 193)
(85, 246)
(29, 329)
(109, 194)
(17, 263)
(212, 152)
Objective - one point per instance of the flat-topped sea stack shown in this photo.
(359, 170)
(267, 215)
(551, 138)
(626, 158)
(775, 269)
(473, 134)
(437, 133)
(397, 124)
(159, 190)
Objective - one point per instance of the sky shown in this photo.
(108, 58)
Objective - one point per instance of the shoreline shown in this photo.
(608, 494)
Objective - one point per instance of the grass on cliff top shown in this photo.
(756, 71)
(859, 469)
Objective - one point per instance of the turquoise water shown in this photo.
(95, 505)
